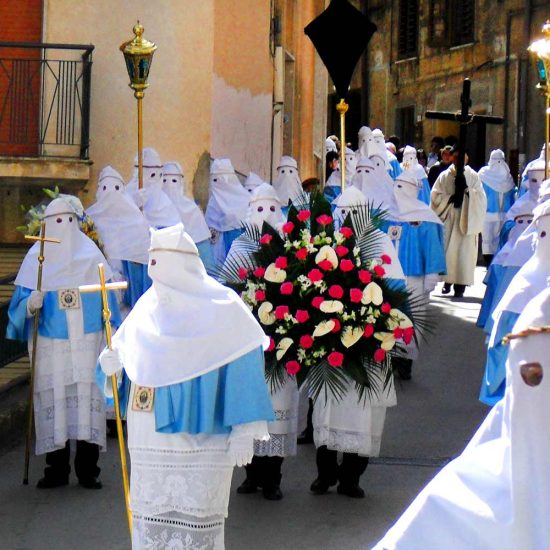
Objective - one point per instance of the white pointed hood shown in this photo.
(409, 208)
(410, 163)
(287, 183)
(373, 180)
(265, 206)
(496, 174)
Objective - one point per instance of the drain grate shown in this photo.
(404, 461)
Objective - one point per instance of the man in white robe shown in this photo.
(463, 224)
(198, 398)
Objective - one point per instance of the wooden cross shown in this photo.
(464, 118)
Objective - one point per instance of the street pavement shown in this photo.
(437, 413)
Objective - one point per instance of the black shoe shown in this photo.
(320, 486)
(52, 482)
(353, 491)
(305, 437)
(446, 288)
(272, 493)
(90, 483)
(247, 487)
(459, 291)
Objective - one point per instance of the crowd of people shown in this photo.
(189, 354)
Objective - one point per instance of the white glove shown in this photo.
(241, 450)
(35, 301)
(109, 361)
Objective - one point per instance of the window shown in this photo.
(451, 23)
(408, 29)
(405, 124)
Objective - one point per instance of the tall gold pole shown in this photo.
(342, 108)
(36, 318)
(103, 288)
(139, 96)
(547, 135)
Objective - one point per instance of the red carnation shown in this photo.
(287, 288)
(379, 355)
(379, 270)
(355, 295)
(369, 331)
(346, 232)
(281, 262)
(306, 341)
(408, 335)
(301, 316)
(315, 275)
(288, 227)
(324, 219)
(271, 346)
(325, 265)
(386, 308)
(336, 292)
(292, 367)
(301, 254)
(398, 333)
(317, 301)
(385, 259)
(364, 276)
(243, 273)
(337, 326)
(303, 215)
(260, 295)
(335, 359)
(259, 272)
(346, 265)
(266, 239)
(280, 312)
(341, 250)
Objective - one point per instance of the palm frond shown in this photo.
(326, 379)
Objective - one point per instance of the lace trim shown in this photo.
(278, 445)
(348, 441)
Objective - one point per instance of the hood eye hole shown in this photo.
(153, 261)
(58, 220)
(215, 179)
(104, 188)
(343, 211)
(354, 211)
(529, 221)
(272, 208)
(174, 180)
(282, 171)
(117, 187)
(543, 234)
(70, 219)
(520, 222)
(400, 186)
(153, 174)
(531, 373)
(163, 180)
(260, 208)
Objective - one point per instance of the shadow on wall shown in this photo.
(200, 180)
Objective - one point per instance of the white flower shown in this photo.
(350, 336)
(281, 330)
(265, 313)
(398, 319)
(324, 327)
(332, 306)
(274, 275)
(282, 347)
(387, 339)
(327, 253)
(372, 294)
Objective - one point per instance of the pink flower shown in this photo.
(317, 301)
(259, 272)
(271, 346)
(408, 335)
(303, 215)
(355, 295)
(379, 355)
(364, 276)
(292, 367)
(336, 292)
(324, 219)
(266, 239)
(260, 295)
(306, 341)
(347, 232)
(335, 359)
(280, 312)
(379, 270)
(288, 227)
(325, 265)
(385, 307)
(385, 259)
(346, 265)
(337, 326)
(315, 275)
(287, 288)
(301, 254)
(243, 273)
(341, 250)
(369, 331)
(281, 262)
(301, 316)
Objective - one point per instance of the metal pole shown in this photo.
(547, 135)
(139, 97)
(342, 108)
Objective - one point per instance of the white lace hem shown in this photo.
(282, 445)
(348, 442)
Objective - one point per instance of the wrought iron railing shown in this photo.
(45, 99)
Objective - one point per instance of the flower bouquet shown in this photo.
(330, 314)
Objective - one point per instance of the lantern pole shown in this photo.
(342, 108)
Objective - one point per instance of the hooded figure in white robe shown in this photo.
(410, 164)
(173, 184)
(500, 191)
(198, 398)
(226, 208)
(496, 494)
(462, 225)
(333, 185)
(379, 148)
(252, 181)
(330, 145)
(158, 209)
(67, 402)
(524, 177)
(287, 184)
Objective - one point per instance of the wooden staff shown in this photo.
(104, 288)
(42, 239)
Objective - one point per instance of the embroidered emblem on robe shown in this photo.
(68, 298)
(143, 399)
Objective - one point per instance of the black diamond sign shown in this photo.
(340, 35)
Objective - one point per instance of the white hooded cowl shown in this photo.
(496, 174)
(287, 184)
